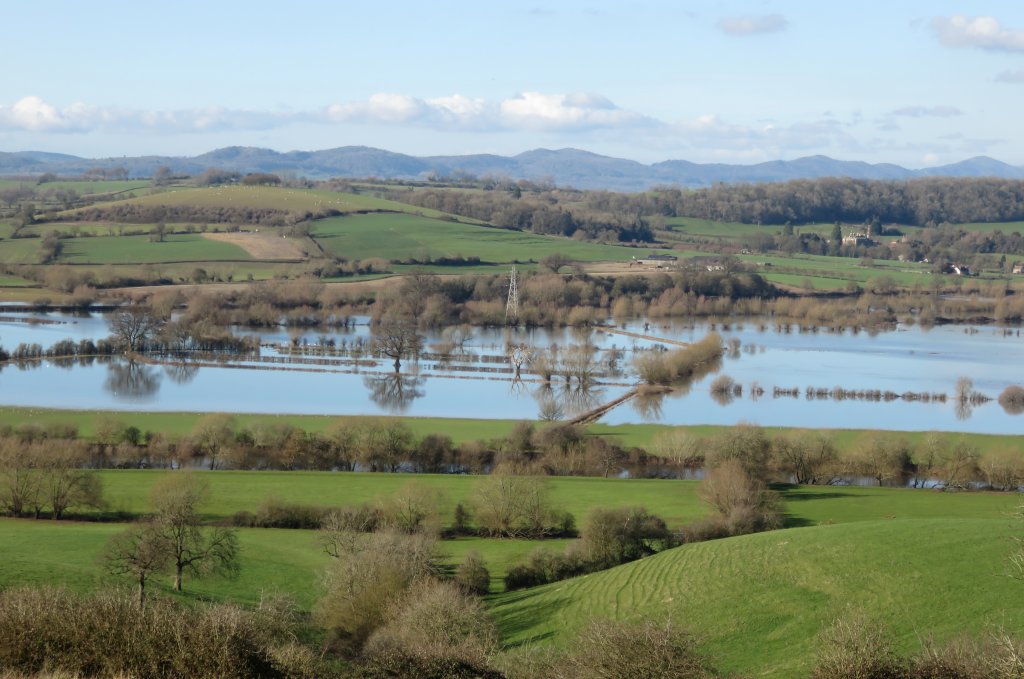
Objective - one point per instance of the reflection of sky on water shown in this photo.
(910, 359)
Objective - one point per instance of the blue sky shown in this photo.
(914, 83)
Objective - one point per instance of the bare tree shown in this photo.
(518, 355)
(396, 339)
(139, 551)
(131, 326)
(212, 435)
(176, 499)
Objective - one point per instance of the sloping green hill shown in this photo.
(260, 198)
(758, 601)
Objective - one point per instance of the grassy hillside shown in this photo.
(263, 198)
(404, 236)
(758, 601)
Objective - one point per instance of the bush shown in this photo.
(652, 650)
(614, 536)
(857, 648)
(275, 513)
(367, 574)
(436, 620)
(543, 566)
(472, 575)
(105, 634)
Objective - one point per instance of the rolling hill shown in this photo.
(568, 166)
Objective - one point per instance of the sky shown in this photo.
(917, 83)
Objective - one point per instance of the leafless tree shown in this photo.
(131, 326)
(518, 355)
(176, 500)
(396, 339)
(139, 551)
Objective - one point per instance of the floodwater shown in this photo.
(477, 381)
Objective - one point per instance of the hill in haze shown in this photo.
(565, 167)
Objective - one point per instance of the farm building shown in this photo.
(656, 260)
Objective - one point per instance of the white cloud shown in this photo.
(983, 32)
(1011, 76)
(565, 111)
(928, 111)
(753, 24)
(32, 114)
(525, 111)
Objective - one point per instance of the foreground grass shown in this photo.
(759, 601)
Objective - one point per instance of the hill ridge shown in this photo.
(566, 166)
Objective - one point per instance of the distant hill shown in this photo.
(566, 167)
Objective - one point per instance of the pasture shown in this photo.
(404, 236)
(183, 247)
(757, 602)
(295, 201)
(915, 560)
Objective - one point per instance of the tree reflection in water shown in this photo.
(132, 381)
(557, 402)
(181, 373)
(394, 391)
(649, 405)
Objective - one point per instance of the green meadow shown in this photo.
(916, 560)
(757, 602)
(142, 250)
(263, 198)
(405, 236)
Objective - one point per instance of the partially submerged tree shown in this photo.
(133, 325)
(396, 339)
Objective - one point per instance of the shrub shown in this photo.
(105, 634)
(472, 574)
(436, 620)
(652, 650)
(275, 513)
(368, 572)
(857, 648)
(614, 536)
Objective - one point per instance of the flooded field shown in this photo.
(465, 372)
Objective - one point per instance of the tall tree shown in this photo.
(176, 499)
(396, 339)
(139, 551)
(131, 326)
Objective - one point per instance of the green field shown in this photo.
(83, 187)
(821, 268)
(20, 251)
(396, 236)
(918, 560)
(141, 250)
(758, 602)
(16, 282)
(265, 198)
(459, 429)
